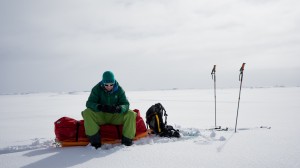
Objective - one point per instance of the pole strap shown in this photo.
(242, 72)
(213, 72)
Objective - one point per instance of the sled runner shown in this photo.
(71, 132)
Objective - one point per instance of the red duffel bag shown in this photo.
(66, 129)
(140, 124)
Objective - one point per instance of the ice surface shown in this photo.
(27, 130)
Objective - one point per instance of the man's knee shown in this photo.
(87, 113)
(130, 114)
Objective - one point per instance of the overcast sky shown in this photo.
(66, 45)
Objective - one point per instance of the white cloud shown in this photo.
(177, 42)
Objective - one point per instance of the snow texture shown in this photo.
(266, 134)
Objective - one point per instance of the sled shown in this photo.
(71, 132)
(103, 141)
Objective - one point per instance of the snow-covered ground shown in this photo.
(27, 130)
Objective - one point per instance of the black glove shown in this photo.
(114, 109)
(100, 107)
(104, 108)
(109, 109)
(118, 109)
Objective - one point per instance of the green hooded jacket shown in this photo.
(115, 97)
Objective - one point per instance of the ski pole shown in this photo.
(213, 76)
(240, 79)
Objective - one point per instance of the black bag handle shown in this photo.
(164, 112)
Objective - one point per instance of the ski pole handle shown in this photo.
(242, 72)
(242, 68)
(213, 70)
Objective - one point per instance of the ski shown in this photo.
(219, 128)
(267, 127)
(222, 129)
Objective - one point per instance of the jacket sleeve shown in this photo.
(93, 99)
(123, 102)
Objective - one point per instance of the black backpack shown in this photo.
(154, 119)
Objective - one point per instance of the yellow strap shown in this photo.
(157, 120)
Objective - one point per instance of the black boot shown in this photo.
(126, 141)
(95, 140)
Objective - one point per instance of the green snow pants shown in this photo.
(94, 120)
